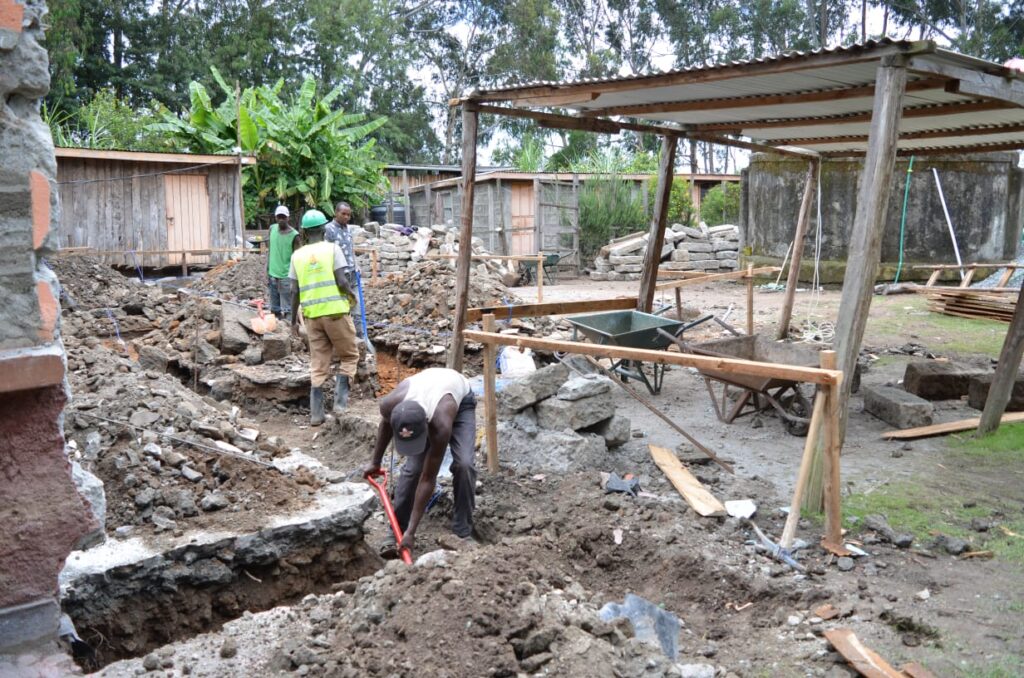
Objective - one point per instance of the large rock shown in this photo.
(520, 394)
(235, 335)
(91, 489)
(277, 345)
(977, 393)
(152, 358)
(897, 407)
(937, 380)
(550, 451)
(615, 431)
(579, 387)
(559, 415)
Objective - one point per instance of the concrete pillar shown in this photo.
(42, 516)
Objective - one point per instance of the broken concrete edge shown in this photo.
(330, 503)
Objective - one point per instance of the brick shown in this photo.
(47, 311)
(977, 393)
(40, 189)
(12, 14)
(897, 407)
(938, 380)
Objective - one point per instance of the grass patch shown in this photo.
(1005, 446)
(1005, 668)
(896, 318)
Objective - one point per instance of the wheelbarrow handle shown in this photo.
(389, 511)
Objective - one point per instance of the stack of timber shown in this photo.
(971, 303)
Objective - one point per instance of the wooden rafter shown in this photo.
(926, 111)
(811, 96)
(923, 134)
(559, 121)
(752, 146)
(938, 150)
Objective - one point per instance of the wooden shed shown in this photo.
(507, 203)
(151, 209)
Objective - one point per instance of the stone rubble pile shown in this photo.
(398, 249)
(712, 249)
(551, 421)
(88, 283)
(151, 477)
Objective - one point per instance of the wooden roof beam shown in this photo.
(923, 134)
(538, 94)
(834, 94)
(805, 154)
(930, 110)
(947, 150)
(558, 121)
(970, 82)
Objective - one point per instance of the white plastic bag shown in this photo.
(513, 363)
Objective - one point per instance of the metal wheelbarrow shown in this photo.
(759, 393)
(630, 329)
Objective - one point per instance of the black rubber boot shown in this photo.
(316, 406)
(340, 393)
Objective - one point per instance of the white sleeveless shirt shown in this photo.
(428, 387)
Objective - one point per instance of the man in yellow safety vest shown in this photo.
(323, 293)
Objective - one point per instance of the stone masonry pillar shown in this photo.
(41, 514)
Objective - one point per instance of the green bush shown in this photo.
(680, 203)
(106, 122)
(610, 207)
(721, 205)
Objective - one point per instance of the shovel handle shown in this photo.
(389, 511)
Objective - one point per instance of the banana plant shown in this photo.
(308, 154)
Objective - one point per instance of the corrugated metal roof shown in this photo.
(824, 93)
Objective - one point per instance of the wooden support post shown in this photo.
(652, 258)
(749, 277)
(374, 266)
(868, 223)
(469, 127)
(184, 265)
(679, 303)
(490, 398)
(810, 447)
(430, 205)
(540, 277)
(1006, 371)
(793, 279)
(833, 443)
(405, 194)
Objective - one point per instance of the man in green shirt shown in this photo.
(282, 245)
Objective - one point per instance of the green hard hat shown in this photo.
(313, 219)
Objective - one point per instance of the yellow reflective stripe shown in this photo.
(313, 286)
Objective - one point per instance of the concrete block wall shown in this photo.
(983, 193)
(41, 513)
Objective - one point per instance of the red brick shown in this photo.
(40, 187)
(47, 311)
(11, 15)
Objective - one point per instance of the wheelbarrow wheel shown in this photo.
(798, 408)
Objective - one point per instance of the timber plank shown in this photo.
(863, 659)
(732, 275)
(551, 308)
(691, 489)
(948, 427)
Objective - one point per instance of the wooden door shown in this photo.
(188, 217)
(523, 228)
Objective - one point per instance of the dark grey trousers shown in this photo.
(462, 442)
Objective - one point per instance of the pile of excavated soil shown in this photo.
(241, 279)
(87, 282)
(154, 482)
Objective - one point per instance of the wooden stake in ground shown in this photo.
(793, 279)
(469, 126)
(490, 399)
(749, 278)
(810, 446)
(691, 489)
(540, 277)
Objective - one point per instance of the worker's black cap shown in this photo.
(409, 424)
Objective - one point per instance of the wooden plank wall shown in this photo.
(119, 206)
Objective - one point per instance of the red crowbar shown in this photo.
(389, 511)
